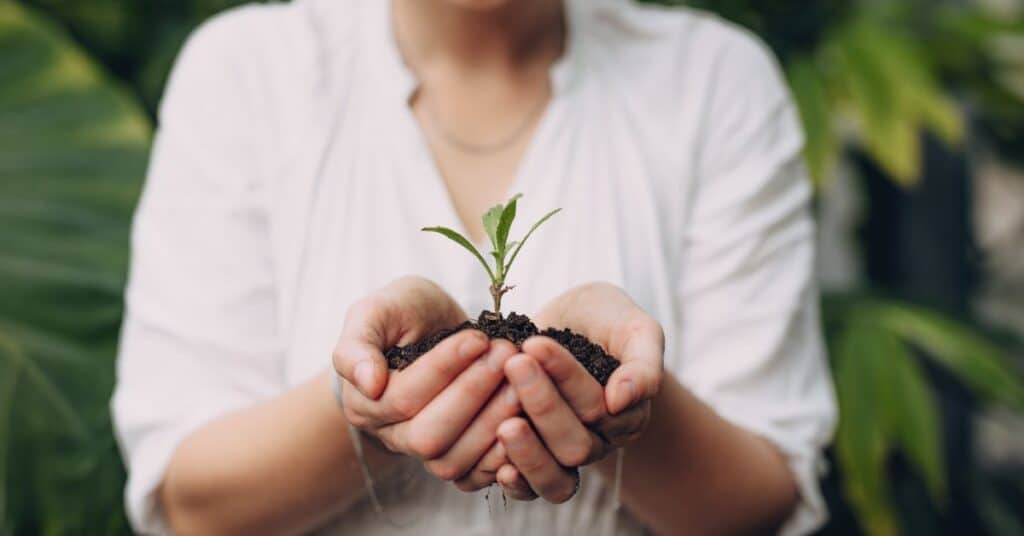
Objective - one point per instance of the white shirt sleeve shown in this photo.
(200, 336)
(750, 334)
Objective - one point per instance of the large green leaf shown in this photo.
(886, 403)
(823, 145)
(893, 95)
(886, 128)
(73, 147)
(861, 438)
(980, 364)
(914, 416)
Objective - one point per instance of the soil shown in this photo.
(515, 328)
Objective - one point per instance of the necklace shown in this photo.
(479, 148)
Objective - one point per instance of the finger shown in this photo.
(485, 472)
(513, 483)
(411, 389)
(583, 393)
(540, 469)
(438, 425)
(419, 307)
(366, 413)
(640, 373)
(472, 445)
(391, 437)
(564, 435)
(359, 410)
(399, 313)
(631, 383)
(362, 365)
(623, 428)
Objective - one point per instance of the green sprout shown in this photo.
(497, 223)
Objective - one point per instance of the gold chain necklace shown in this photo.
(480, 148)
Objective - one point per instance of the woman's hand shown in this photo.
(440, 409)
(574, 420)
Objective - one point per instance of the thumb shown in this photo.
(630, 384)
(363, 365)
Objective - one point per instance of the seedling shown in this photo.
(497, 223)
(515, 328)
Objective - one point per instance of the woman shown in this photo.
(302, 147)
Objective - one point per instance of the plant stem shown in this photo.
(496, 293)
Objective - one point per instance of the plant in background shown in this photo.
(887, 404)
(876, 75)
(872, 74)
(73, 149)
(497, 223)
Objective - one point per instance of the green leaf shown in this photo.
(918, 91)
(888, 130)
(530, 232)
(8, 381)
(980, 364)
(464, 242)
(492, 219)
(886, 401)
(861, 438)
(73, 150)
(823, 146)
(507, 216)
(893, 94)
(916, 419)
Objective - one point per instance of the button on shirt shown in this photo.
(289, 178)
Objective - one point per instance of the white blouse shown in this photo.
(289, 178)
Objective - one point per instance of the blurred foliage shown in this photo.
(73, 144)
(981, 55)
(73, 148)
(136, 40)
(879, 73)
(886, 402)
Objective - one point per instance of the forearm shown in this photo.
(693, 472)
(283, 466)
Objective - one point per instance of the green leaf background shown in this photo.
(73, 148)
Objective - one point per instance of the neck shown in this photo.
(507, 36)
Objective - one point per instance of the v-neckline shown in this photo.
(427, 160)
(560, 75)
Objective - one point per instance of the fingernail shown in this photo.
(629, 388)
(471, 346)
(510, 432)
(513, 439)
(524, 371)
(364, 375)
(510, 396)
(496, 359)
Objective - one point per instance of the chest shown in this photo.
(379, 184)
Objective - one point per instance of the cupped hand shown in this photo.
(573, 421)
(442, 408)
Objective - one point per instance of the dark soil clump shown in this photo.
(515, 328)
